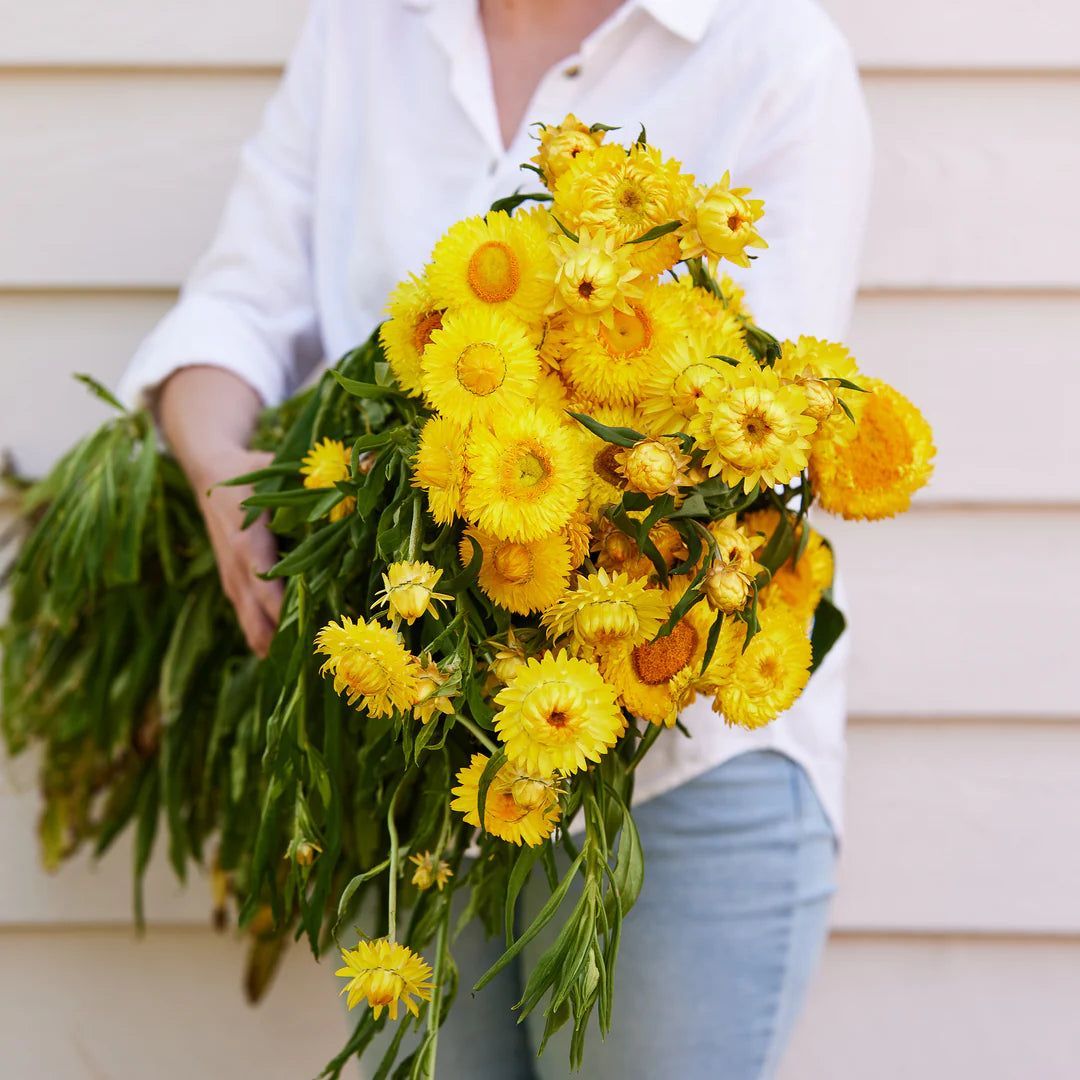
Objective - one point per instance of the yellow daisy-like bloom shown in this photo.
(736, 542)
(595, 279)
(323, 466)
(720, 224)
(522, 577)
(655, 466)
(557, 714)
(439, 468)
(611, 364)
(605, 483)
(673, 386)
(753, 428)
(890, 458)
(769, 676)
(409, 590)
(529, 821)
(656, 679)
(527, 474)
(479, 364)
(798, 585)
(626, 193)
(369, 665)
(385, 974)
(705, 314)
(551, 393)
(428, 701)
(556, 338)
(498, 261)
(607, 609)
(561, 143)
(809, 362)
(578, 534)
(431, 871)
(413, 318)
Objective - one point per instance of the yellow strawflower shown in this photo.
(578, 535)
(557, 714)
(497, 261)
(521, 576)
(611, 363)
(607, 609)
(753, 428)
(627, 193)
(384, 974)
(479, 364)
(721, 224)
(528, 822)
(439, 468)
(769, 676)
(527, 474)
(726, 589)
(654, 466)
(605, 482)
(876, 473)
(561, 143)
(323, 466)
(594, 279)
(412, 318)
(427, 700)
(369, 665)
(811, 362)
(431, 871)
(798, 585)
(409, 590)
(737, 542)
(509, 657)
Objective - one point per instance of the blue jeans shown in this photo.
(716, 954)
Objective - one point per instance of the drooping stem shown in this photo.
(435, 1005)
(477, 732)
(391, 890)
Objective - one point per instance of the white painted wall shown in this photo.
(956, 941)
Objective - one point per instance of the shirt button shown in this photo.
(572, 72)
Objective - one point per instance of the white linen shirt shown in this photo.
(384, 132)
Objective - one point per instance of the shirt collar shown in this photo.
(689, 19)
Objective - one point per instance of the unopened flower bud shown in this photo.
(653, 466)
(820, 399)
(306, 853)
(726, 589)
(529, 793)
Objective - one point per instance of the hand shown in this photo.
(207, 415)
(242, 554)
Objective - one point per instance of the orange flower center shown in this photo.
(494, 273)
(481, 368)
(513, 563)
(629, 335)
(425, 326)
(604, 466)
(657, 662)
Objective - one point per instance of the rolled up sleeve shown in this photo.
(249, 304)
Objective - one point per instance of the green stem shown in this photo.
(417, 530)
(395, 869)
(435, 1005)
(477, 732)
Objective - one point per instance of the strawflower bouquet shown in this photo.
(562, 493)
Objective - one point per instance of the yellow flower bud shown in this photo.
(726, 589)
(654, 466)
(306, 853)
(820, 399)
(530, 793)
(430, 871)
(409, 590)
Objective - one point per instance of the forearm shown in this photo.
(206, 414)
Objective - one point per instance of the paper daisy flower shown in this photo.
(479, 364)
(323, 466)
(561, 143)
(409, 590)
(557, 714)
(412, 318)
(431, 871)
(753, 428)
(497, 261)
(369, 665)
(654, 466)
(439, 467)
(721, 224)
(607, 609)
(527, 474)
(529, 821)
(811, 362)
(521, 576)
(385, 974)
(768, 677)
(428, 701)
(876, 473)
(594, 279)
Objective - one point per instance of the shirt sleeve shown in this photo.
(809, 158)
(249, 304)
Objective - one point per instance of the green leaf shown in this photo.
(365, 389)
(829, 624)
(656, 232)
(564, 230)
(519, 875)
(511, 202)
(491, 770)
(620, 436)
(100, 391)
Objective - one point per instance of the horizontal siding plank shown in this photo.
(101, 190)
(167, 32)
(921, 34)
(957, 828)
(961, 34)
(949, 618)
(951, 355)
(83, 1005)
(897, 1009)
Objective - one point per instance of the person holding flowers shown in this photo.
(599, 296)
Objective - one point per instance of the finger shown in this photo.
(254, 623)
(261, 550)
